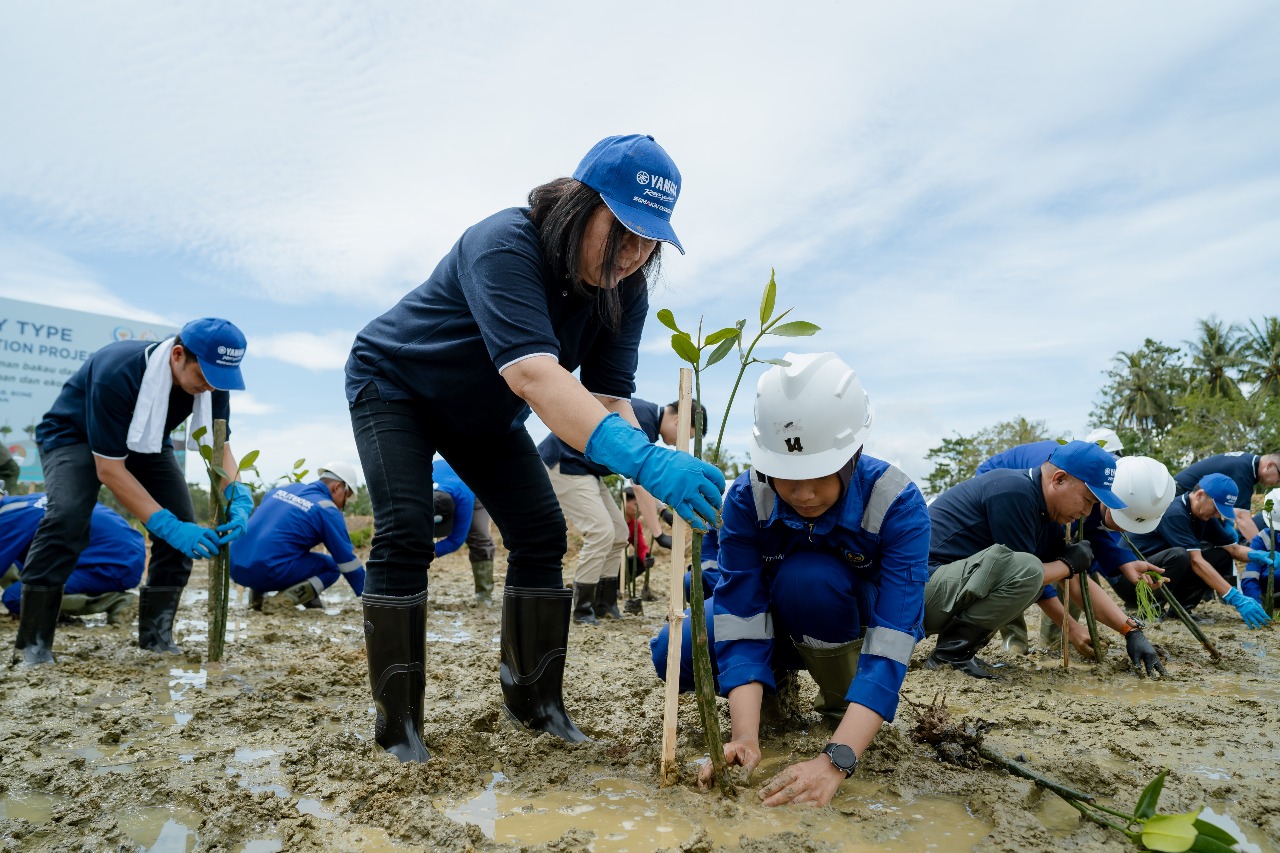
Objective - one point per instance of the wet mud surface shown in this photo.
(118, 749)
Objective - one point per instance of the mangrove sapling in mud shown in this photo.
(219, 566)
(1086, 604)
(690, 349)
(961, 743)
(1175, 606)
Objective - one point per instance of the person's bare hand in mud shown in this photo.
(1080, 639)
(737, 753)
(1136, 572)
(811, 783)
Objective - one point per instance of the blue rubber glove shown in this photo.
(689, 486)
(1250, 611)
(239, 507)
(188, 538)
(1266, 558)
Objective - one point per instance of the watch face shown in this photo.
(842, 757)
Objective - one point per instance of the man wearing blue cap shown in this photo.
(110, 425)
(998, 542)
(1248, 470)
(1200, 518)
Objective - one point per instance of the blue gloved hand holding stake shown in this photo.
(187, 537)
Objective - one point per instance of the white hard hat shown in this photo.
(1274, 521)
(1147, 488)
(811, 417)
(1107, 438)
(339, 470)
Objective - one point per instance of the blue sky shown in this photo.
(980, 203)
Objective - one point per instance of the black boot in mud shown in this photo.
(958, 643)
(535, 633)
(606, 603)
(395, 637)
(37, 620)
(157, 606)
(583, 597)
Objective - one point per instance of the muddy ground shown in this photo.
(116, 749)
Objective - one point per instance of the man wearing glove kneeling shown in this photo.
(110, 424)
(996, 546)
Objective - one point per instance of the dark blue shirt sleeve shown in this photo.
(464, 504)
(504, 290)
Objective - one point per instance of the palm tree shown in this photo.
(1215, 356)
(1144, 386)
(1261, 351)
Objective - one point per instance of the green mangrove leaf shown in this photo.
(206, 452)
(666, 318)
(199, 434)
(718, 336)
(1170, 833)
(221, 473)
(1205, 844)
(248, 460)
(685, 349)
(781, 362)
(1062, 441)
(1150, 796)
(726, 346)
(795, 329)
(1217, 833)
(299, 463)
(766, 301)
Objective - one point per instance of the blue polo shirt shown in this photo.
(464, 504)
(116, 551)
(1180, 529)
(1021, 457)
(489, 303)
(290, 521)
(572, 463)
(1239, 465)
(96, 404)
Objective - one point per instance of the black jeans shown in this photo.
(397, 440)
(1183, 582)
(71, 483)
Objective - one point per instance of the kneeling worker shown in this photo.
(823, 560)
(111, 564)
(275, 553)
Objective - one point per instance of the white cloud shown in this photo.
(37, 274)
(314, 351)
(245, 403)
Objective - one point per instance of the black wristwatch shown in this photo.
(842, 757)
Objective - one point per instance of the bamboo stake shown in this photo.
(1176, 606)
(1086, 604)
(669, 773)
(219, 570)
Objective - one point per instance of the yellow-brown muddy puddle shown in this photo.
(626, 816)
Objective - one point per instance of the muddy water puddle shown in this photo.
(627, 816)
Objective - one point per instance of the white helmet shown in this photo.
(1274, 521)
(339, 470)
(811, 417)
(1147, 489)
(1107, 438)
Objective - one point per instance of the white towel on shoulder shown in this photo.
(146, 430)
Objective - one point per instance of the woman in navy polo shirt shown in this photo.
(522, 299)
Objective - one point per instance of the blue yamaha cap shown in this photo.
(1224, 492)
(218, 346)
(1091, 464)
(639, 182)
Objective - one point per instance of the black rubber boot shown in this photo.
(37, 619)
(157, 606)
(256, 597)
(583, 596)
(606, 603)
(958, 643)
(395, 638)
(535, 632)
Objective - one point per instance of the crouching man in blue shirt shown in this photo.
(110, 425)
(823, 558)
(275, 553)
(1264, 559)
(111, 564)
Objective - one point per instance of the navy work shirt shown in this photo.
(1180, 529)
(489, 303)
(1238, 465)
(96, 404)
(572, 463)
(1021, 457)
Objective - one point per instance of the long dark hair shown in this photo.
(560, 210)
